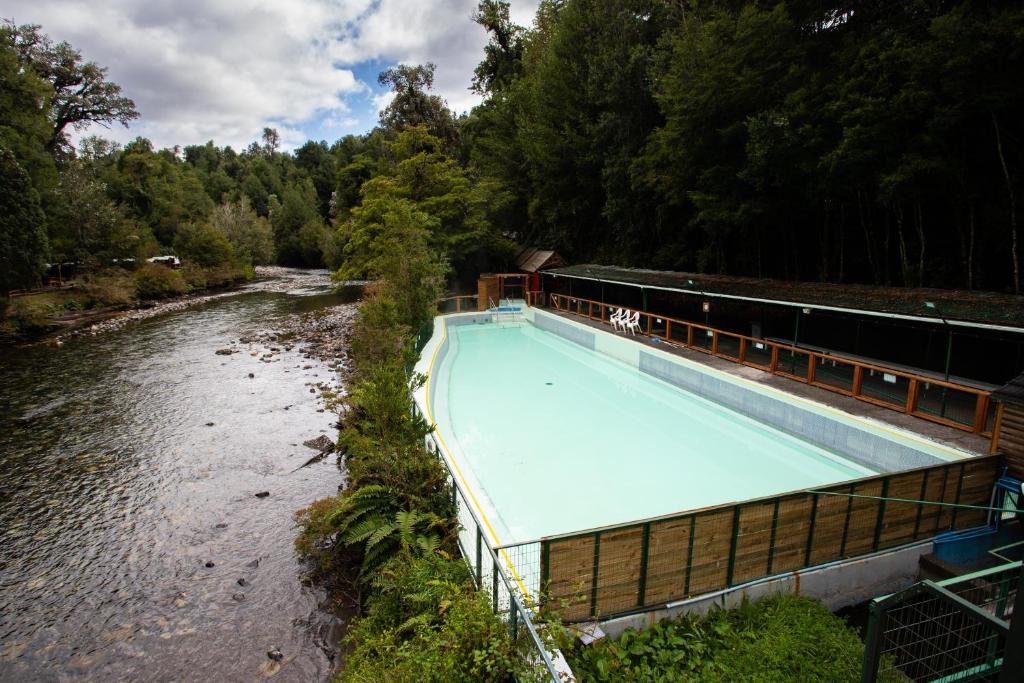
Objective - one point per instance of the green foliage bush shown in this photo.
(781, 638)
(111, 287)
(203, 244)
(153, 281)
(426, 623)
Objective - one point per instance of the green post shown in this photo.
(810, 531)
(881, 515)
(732, 544)
(645, 543)
(869, 668)
(1013, 661)
(479, 558)
(593, 579)
(545, 568)
(771, 541)
(494, 586)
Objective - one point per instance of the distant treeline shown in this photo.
(877, 141)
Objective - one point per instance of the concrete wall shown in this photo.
(880, 449)
(837, 585)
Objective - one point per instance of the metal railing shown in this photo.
(954, 630)
(935, 400)
(493, 571)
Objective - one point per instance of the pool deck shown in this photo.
(931, 430)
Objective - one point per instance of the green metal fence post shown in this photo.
(593, 580)
(869, 668)
(494, 585)
(689, 555)
(732, 544)
(810, 531)
(479, 558)
(1013, 662)
(920, 506)
(645, 543)
(771, 541)
(545, 568)
(881, 514)
(959, 490)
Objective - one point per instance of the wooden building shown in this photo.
(1008, 433)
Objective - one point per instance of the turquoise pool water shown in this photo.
(555, 438)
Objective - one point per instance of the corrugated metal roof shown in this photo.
(531, 259)
(1013, 392)
(988, 308)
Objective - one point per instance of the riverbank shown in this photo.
(151, 540)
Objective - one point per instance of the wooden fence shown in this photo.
(643, 565)
(935, 400)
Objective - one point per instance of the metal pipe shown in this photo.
(818, 307)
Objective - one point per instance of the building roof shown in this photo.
(1013, 392)
(962, 308)
(532, 259)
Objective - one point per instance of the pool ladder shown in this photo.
(504, 311)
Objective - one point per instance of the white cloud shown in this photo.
(224, 69)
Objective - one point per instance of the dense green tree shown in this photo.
(250, 234)
(24, 126)
(413, 105)
(82, 95)
(203, 244)
(23, 243)
(298, 229)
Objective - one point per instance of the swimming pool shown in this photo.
(556, 428)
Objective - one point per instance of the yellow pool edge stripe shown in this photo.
(455, 465)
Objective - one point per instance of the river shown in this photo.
(128, 524)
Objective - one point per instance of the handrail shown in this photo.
(776, 366)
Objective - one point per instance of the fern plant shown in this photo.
(369, 518)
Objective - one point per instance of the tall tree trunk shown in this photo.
(919, 224)
(970, 249)
(868, 246)
(1013, 205)
(904, 260)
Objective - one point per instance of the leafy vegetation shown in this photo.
(780, 638)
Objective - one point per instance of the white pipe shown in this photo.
(820, 307)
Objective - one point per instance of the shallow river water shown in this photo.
(115, 495)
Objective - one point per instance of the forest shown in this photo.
(857, 141)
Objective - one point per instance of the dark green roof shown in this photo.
(956, 305)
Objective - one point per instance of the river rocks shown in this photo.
(238, 596)
(220, 525)
(225, 352)
(254, 564)
(242, 582)
(251, 375)
(275, 655)
(210, 564)
(321, 443)
(209, 424)
(263, 494)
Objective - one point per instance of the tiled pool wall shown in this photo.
(429, 354)
(857, 443)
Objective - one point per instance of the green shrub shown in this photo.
(781, 638)
(153, 281)
(426, 623)
(203, 244)
(112, 287)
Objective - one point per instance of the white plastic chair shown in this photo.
(616, 318)
(632, 322)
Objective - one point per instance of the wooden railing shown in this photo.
(457, 304)
(649, 563)
(935, 400)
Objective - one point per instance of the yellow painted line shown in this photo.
(458, 471)
(793, 398)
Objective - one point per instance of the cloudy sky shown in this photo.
(223, 69)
